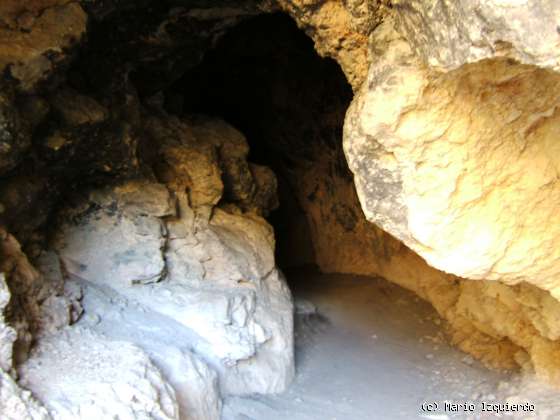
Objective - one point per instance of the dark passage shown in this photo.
(265, 78)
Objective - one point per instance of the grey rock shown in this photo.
(449, 33)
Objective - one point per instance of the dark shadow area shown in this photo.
(265, 78)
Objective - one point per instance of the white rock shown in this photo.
(80, 375)
(221, 286)
(195, 383)
(8, 335)
(17, 403)
(62, 306)
(449, 33)
(117, 237)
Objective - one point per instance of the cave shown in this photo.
(290, 104)
(262, 209)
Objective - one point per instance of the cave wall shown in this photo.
(112, 206)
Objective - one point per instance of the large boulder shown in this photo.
(459, 162)
(216, 278)
(463, 166)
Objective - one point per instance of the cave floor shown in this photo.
(373, 350)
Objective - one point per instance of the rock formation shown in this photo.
(134, 241)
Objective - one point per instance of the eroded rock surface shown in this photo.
(118, 237)
(446, 158)
(196, 287)
(18, 403)
(81, 375)
(340, 30)
(36, 36)
(461, 166)
(448, 34)
(451, 139)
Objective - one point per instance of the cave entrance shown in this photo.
(265, 78)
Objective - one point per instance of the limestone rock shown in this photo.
(195, 383)
(184, 163)
(208, 158)
(7, 334)
(79, 374)
(118, 236)
(441, 158)
(450, 33)
(265, 198)
(32, 301)
(220, 282)
(35, 37)
(62, 306)
(438, 158)
(24, 285)
(232, 150)
(17, 403)
(240, 305)
(168, 345)
(340, 30)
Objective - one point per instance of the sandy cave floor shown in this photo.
(373, 350)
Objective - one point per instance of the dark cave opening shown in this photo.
(265, 78)
(262, 76)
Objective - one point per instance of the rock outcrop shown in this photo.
(447, 34)
(445, 157)
(461, 167)
(193, 286)
(18, 403)
(340, 30)
(81, 375)
(36, 37)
